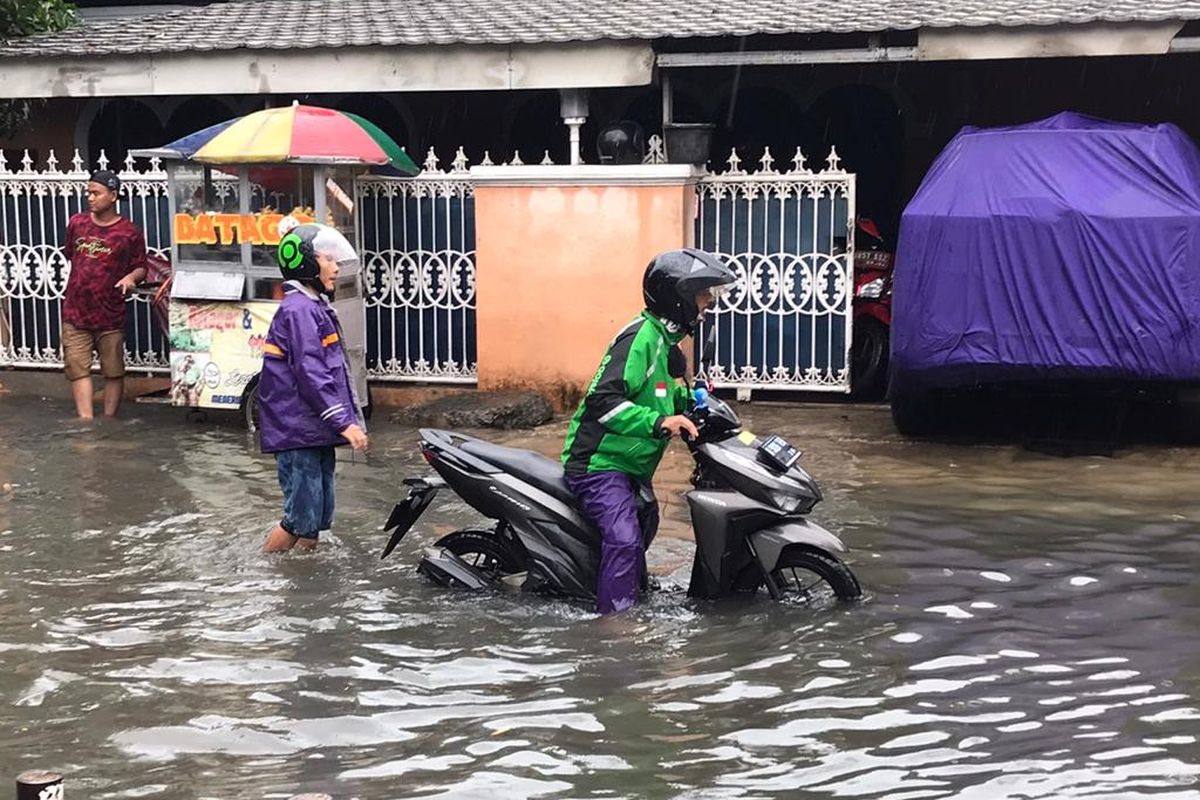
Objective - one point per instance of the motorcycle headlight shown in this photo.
(785, 502)
(871, 290)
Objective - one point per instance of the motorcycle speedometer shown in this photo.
(778, 453)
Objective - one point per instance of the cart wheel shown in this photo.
(249, 405)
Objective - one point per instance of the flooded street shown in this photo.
(1031, 630)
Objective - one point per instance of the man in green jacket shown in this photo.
(632, 407)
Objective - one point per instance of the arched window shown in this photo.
(196, 114)
(537, 127)
(123, 124)
(757, 117)
(384, 113)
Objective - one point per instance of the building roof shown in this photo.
(303, 24)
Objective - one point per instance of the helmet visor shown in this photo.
(329, 241)
(721, 290)
(718, 293)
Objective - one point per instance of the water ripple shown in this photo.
(1033, 631)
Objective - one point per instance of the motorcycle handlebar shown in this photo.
(697, 416)
(698, 421)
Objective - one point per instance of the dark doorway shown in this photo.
(865, 125)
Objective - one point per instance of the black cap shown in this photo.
(106, 177)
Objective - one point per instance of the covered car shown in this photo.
(1065, 249)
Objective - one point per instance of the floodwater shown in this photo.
(1031, 630)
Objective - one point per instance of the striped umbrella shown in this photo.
(295, 134)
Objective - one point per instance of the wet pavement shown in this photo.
(1031, 630)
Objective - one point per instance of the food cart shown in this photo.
(229, 187)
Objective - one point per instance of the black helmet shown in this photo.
(674, 278)
(621, 143)
(298, 248)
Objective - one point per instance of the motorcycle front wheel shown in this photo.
(805, 575)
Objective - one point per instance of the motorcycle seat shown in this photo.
(544, 473)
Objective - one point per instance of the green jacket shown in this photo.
(632, 392)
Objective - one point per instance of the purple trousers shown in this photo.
(611, 500)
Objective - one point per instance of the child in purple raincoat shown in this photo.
(306, 395)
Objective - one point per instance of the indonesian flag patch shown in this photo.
(660, 389)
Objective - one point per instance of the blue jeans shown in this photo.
(306, 478)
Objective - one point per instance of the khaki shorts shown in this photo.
(79, 345)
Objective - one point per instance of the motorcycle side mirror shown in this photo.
(708, 349)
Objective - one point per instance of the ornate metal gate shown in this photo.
(417, 244)
(418, 241)
(789, 236)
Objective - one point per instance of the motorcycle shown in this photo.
(749, 513)
(870, 347)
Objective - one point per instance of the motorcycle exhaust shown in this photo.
(446, 569)
(514, 582)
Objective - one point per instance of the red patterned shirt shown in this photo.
(100, 255)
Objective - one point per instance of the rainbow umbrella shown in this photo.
(295, 134)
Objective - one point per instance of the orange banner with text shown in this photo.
(261, 228)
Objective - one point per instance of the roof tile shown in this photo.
(301, 24)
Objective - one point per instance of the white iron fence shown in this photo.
(789, 235)
(418, 240)
(417, 245)
(790, 238)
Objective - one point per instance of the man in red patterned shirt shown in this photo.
(108, 258)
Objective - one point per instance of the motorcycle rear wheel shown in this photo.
(485, 551)
(868, 359)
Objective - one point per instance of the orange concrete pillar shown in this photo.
(560, 253)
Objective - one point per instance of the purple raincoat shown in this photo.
(305, 394)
